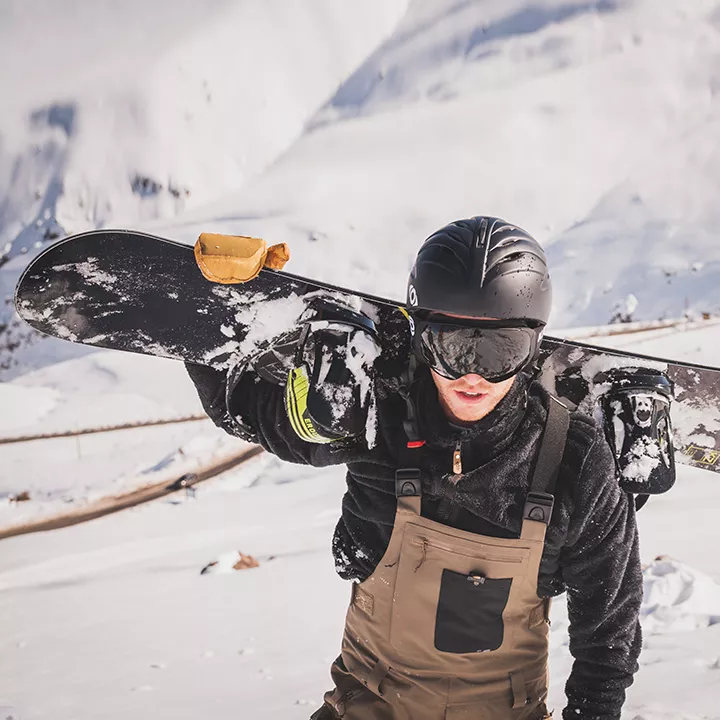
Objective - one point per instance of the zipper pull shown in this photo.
(457, 460)
(477, 578)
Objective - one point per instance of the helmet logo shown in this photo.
(412, 295)
(412, 325)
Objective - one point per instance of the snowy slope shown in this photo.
(118, 113)
(592, 124)
(193, 97)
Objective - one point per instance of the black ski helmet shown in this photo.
(482, 267)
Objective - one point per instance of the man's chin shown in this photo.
(471, 411)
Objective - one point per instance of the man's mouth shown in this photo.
(469, 396)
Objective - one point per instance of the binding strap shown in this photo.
(540, 499)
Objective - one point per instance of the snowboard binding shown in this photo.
(329, 389)
(279, 355)
(323, 365)
(635, 410)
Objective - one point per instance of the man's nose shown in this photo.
(474, 379)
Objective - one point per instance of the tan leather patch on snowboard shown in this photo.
(229, 259)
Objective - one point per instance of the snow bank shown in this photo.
(22, 407)
(677, 597)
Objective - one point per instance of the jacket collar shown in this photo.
(489, 436)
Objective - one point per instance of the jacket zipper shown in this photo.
(457, 460)
(445, 506)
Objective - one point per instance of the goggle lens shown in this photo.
(495, 353)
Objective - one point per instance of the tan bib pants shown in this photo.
(450, 626)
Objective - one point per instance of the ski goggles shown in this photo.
(494, 349)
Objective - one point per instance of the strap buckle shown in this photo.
(407, 482)
(539, 507)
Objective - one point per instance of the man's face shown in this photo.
(471, 397)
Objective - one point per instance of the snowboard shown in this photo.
(131, 291)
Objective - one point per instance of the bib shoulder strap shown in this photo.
(540, 500)
(408, 478)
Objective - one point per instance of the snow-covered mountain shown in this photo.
(120, 113)
(134, 110)
(592, 124)
(354, 132)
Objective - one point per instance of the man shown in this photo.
(480, 498)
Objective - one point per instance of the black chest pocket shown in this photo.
(469, 613)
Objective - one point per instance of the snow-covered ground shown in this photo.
(350, 131)
(112, 618)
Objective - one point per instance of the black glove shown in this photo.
(325, 364)
(211, 386)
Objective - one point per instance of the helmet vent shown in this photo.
(512, 256)
(481, 241)
(481, 235)
(509, 240)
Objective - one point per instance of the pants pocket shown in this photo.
(449, 598)
(470, 610)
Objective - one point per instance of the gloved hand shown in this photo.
(211, 386)
(325, 364)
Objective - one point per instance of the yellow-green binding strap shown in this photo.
(296, 392)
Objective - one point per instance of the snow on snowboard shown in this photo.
(131, 291)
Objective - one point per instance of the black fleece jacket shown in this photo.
(591, 549)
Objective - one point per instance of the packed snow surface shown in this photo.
(119, 617)
(677, 598)
(121, 621)
(29, 405)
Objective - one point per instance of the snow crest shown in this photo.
(677, 598)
